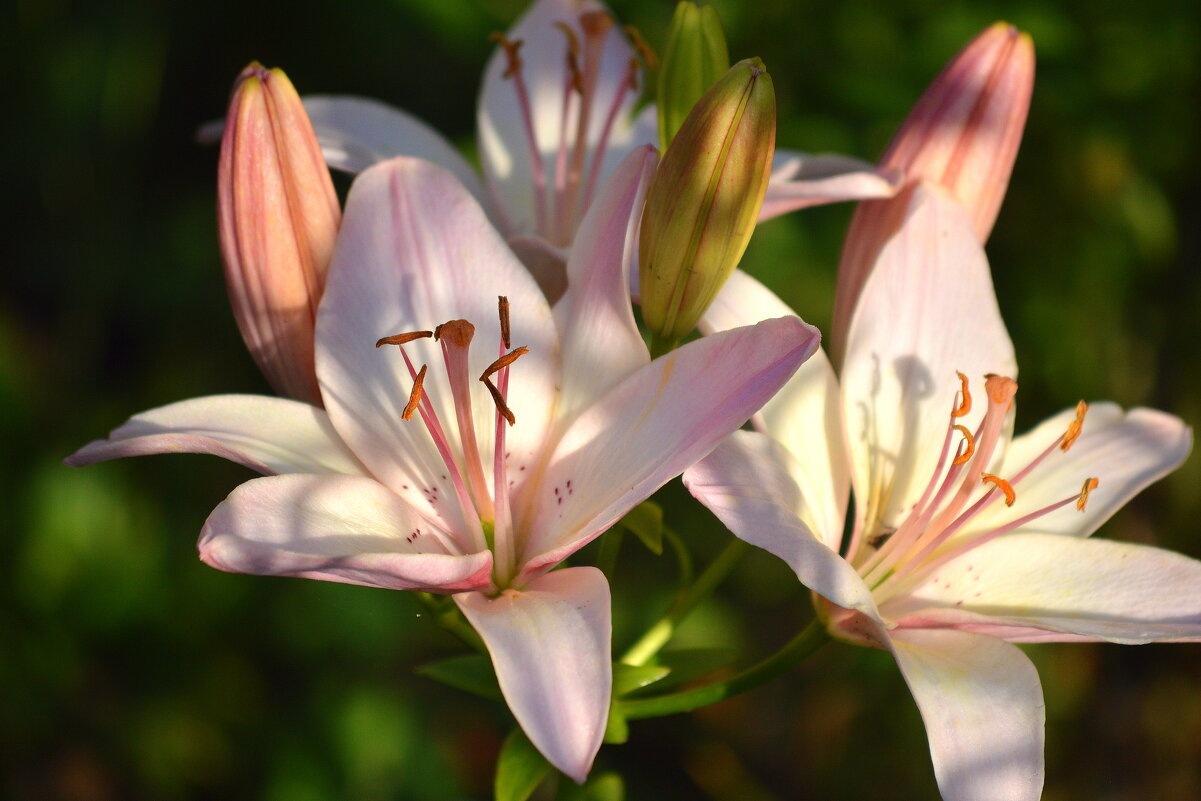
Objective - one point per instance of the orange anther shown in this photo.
(965, 403)
(1090, 484)
(503, 362)
(1074, 427)
(644, 50)
(499, 400)
(502, 308)
(969, 441)
(573, 56)
(415, 395)
(511, 48)
(403, 339)
(1002, 485)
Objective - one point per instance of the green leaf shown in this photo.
(617, 731)
(606, 786)
(519, 768)
(627, 678)
(646, 522)
(687, 664)
(472, 673)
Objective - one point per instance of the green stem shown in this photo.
(792, 654)
(658, 635)
(450, 619)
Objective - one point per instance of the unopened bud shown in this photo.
(704, 199)
(694, 58)
(962, 135)
(278, 216)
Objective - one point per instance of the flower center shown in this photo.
(926, 539)
(562, 192)
(488, 513)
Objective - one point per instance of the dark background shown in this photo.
(128, 670)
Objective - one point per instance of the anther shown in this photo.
(499, 400)
(573, 56)
(415, 395)
(1074, 428)
(503, 362)
(502, 308)
(456, 332)
(512, 54)
(1090, 484)
(1002, 485)
(644, 50)
(965, 405)
(970, 442)
(403, 339)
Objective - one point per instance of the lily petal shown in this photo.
(800, 180)
(1091, 588)
(1127, 451)
(416, 250)
(654, 424)
(356, 133)
(928, 309)
(336, 528)
(600, 340)
(805, 415)
(982, 704)
(750, 482)
(550, 646)
(268, 435)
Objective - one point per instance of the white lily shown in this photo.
(460, 498)
(964, 539)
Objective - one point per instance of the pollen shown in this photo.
(512, 48)
(1074, 428)
(502, 309)
(503, 362)
(965, 405)
(969, 446)
(499, 400)
(416, 395)
(1001, 484)
(1090, 484)
(403, 339)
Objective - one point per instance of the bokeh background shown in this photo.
(128, 670)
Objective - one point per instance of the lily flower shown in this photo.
(556, 115)
(469, 445)
(965, 539)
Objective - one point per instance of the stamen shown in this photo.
(403, 339)
(499, 400)
(965, 405)
(1002, 485)
(596, 26)
(1000, 389)
(575, 80)
(970, 442)
(502, 308)
(416, 395)
(456, 336)
(628, 85)
(503, 361)
(513, 72)
(512, 48)
(644, 50)
(1074, 427)
(1090, 484)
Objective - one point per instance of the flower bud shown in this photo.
(694, 58)
(277, 217)
(962, 135)
(702, 204)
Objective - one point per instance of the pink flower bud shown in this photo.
(962, 136)
(277, 216)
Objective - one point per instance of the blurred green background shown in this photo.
(128, 670)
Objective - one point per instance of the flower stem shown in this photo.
(658, 635)
(447, 616)
(660, 346)
(792, 654)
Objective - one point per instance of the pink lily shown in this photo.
(963, 135)
(965, 539)
(416, 475)
(556, 115)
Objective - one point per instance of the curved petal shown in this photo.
(749, 482)
(416, 250)
(1126, 451)
(805, 415)
(357, 132)
(800, 180)
(982, 704)
(336, 528)
(654, 424)
(268, 435)
(504, 138)
(546, 262)
(600, 340)
(927, 310)
(550, 647)
(1094, 588)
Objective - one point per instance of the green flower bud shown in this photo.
(694, 58)
(704, 200)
